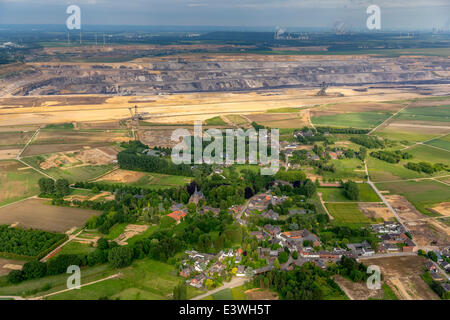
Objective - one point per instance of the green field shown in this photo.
(438, 113)
(216, 121)
(429, 154)
(143, 280)
(73, 174)
(237, 293)
(422, 194)
(74, 247)
(443, 142)
(41, 286)
(363, 120)
(347, 214)
(409, 135)
(155, 180)
(383, 171)
(346, 169)
(15, 183)
(283, 110)
(366, 194)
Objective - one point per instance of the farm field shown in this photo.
(63, 140)
(36, 214)
(144, 179)
(422, 194)
(72, 174)
(237, 119)
(402, 274)
(383, 171)
(75, 247)
(409, 133)
(429, 154)
(430, 113)
(143, 280)
(17, 182)
(41, 286)
(281, 120)
(364, 120)
(347, 214)
(443, 142)
(367, 194)
(346, 169)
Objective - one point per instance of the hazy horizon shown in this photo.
(249, 14)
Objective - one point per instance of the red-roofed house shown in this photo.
(177, 215)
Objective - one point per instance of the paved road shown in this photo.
(374, 187)
(388, 255)
(235, 282)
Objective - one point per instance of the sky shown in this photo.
(351, 14)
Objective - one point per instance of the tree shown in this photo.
(62, 187)
(180, 292)
(15, 276)
(351, 190)
(34, 269)
(309, 189)
(120, 257)
(283, 257)
(295, 255)
(46, 185)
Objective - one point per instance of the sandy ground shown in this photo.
(376, 211)
(130, 231)
(402, 274)
(6, 265)
(123, 176)
(9, 154)
(443, 208)
(258, 294)
(179, 108)
(358, 290)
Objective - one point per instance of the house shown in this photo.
(196, 196)
(240, 271)
(436, 276)
(185, 273)
(272, 215)
(446, 266)
(217, 268)
(177, 215)
(364, 248)
(272, 230)
(200, 266)
(259, 235)
(300, 235)
(446, 287)
(264, 269)
(296, 211)
(260, 202)
(238, 259)
(222, 254)
(197, 282)
(430, 266)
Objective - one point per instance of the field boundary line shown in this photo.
(413, 179)
(71, 237)
(28, 143)
(424, 142)
(21, 200)
(37, 170)
(81, 286)
(104, 174)
(388, 119)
